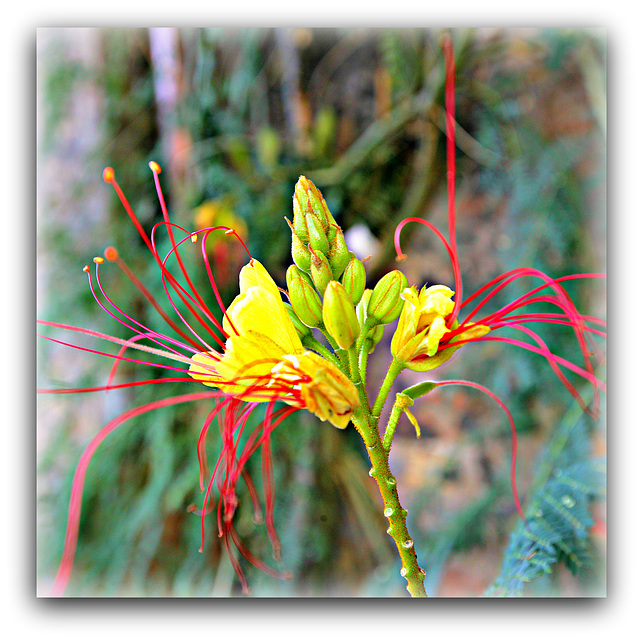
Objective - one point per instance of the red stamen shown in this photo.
(155, 168)
(75, 502)
(280, 575)
(109, 177)
(514, 436)
(112, 255)
(185, 296)
(149, 333)
(457, 277)
(253, 495)
(450, 126)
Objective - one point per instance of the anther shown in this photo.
(111, 254)
(98, 260)
(293, 360)
(108, 174)
(194, 237)
(86, 268)
(229, 232)
(154, 166)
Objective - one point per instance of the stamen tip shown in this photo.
(401, 257)
(86, 268)
(154, 166)
(111, 253)
(108, 174)
(194, 237)
(98, 260)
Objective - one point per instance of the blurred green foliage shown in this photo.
(360, 113)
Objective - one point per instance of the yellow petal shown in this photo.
(203, 368)
(434, 301)
(259, 308)
(255, 275)
(437, 329)
(249, 357)
(413, 421)
(407, 322)
(324, 389)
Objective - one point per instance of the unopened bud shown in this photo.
(312, 220)
(309, 197)
(320, 271)
(299, 251)
(299, 226)
(301, 329)
(339, 254)
(318, 240)
(385, 303)
(374, 334)
(354, 279)
(339, 316)
(305, 301)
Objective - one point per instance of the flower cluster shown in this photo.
(264, 359)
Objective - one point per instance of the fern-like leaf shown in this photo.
(558, 517)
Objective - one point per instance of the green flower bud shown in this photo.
(338, 251)
(310, 198)
(354, 279)
(385, 303)
(339, 316)
(299, 251)
(317, 235)
(312, 220)
(320, 271)
(375, 333)
(303, 297)
(361, 307)
(301, 329)
(299, 226)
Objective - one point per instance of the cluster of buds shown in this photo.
(326, 283)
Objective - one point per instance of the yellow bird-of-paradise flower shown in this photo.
(264, 358)
(422, 326)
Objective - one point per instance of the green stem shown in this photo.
(395, 368)
(393, 510)
(396, 412)
(367, 426)
(356, 379)
(311, 343)
(364, 357)
(340, 353)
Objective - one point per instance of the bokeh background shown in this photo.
(234, 116)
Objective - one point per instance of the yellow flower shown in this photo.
(324, 389)
(423, 324)
(264, 358)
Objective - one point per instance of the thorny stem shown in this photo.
(366, 423)
(393, 510)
